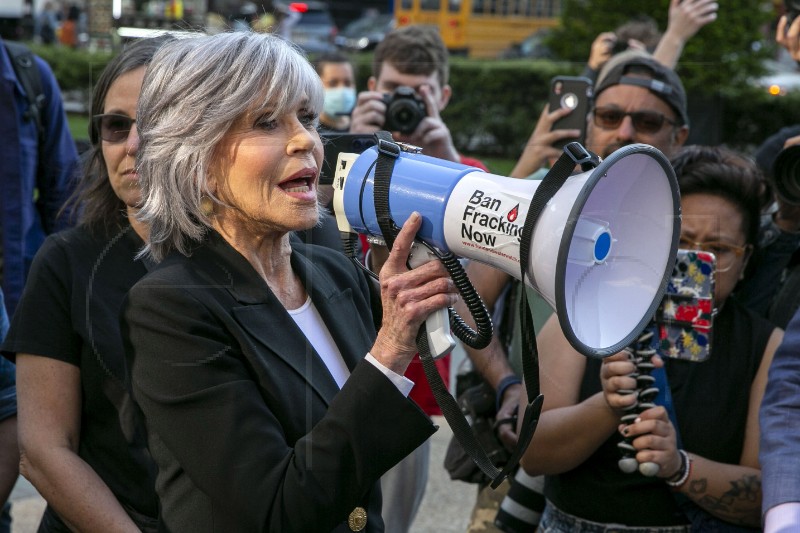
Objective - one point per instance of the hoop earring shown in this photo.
(206, 206)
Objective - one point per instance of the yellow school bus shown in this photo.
(480, 28)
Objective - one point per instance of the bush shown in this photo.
(75, 70)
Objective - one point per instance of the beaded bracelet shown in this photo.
(504, 384)
(685, 471)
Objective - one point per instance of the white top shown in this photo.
(311, 324)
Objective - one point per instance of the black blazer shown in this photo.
(248, 427)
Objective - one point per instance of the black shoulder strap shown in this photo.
(30, 78)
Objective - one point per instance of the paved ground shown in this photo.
(445, 509)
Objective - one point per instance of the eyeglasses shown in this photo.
(113, 128)
(610, 118)
(725, 253)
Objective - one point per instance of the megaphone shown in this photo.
(600, 253)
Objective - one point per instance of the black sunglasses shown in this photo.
(113, 128)
(610, 118)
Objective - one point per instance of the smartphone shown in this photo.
(571, 92)
(684, 320)
(334, 143)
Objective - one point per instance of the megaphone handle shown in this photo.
(440, 340)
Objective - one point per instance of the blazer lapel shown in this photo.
(265, 320)
(271, 325)
(336, 308)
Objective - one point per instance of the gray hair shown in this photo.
(194, 91)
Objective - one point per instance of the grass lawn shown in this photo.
(499, 166)
(78, 126)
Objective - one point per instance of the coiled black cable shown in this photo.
(483, 322)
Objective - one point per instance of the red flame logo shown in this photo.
(512, 215)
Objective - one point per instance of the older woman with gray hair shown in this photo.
(270, 402)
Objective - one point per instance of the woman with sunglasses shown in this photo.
(713, 475)
(82, 438)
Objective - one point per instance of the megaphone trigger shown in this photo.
(440, 339)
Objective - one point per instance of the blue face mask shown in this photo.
(339, 101)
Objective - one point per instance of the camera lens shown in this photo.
(404, 110)
(569, 101)
(405, 115)
(786, 175)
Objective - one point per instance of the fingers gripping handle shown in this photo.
(440, 340)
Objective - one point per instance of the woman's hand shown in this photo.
(408, 298)
(654, 437)
(618, 381)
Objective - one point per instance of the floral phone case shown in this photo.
(684, 319)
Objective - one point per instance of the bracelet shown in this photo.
(684, 472)
(504, 384)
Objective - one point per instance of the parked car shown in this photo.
(532, 47)
(365, 33)
(314, 29)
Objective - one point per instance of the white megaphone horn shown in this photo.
(601, 250)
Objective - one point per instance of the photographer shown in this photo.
(412, 57)
(770, 288)
(407, 91)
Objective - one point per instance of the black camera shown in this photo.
(786, 175)
(404, 110)
(619, 46)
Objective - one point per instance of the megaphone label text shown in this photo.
(484, 218)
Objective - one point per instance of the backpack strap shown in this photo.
(27, 72)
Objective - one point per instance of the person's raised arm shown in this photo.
(788, 36)
(686, 18)
(539, 150)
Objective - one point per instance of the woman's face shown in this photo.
(119, 157)
(266, 173)
(712, 220)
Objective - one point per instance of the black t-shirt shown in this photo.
(711, 400)
(70, 311)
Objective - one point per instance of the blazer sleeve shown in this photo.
(780, 420)
(201, 401)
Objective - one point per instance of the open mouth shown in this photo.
(299, 185)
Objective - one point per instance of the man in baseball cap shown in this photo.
(637, 100)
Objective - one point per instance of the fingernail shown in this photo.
(414, 216)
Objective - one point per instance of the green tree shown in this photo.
(723, 55)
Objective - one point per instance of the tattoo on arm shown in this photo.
(741, 504)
